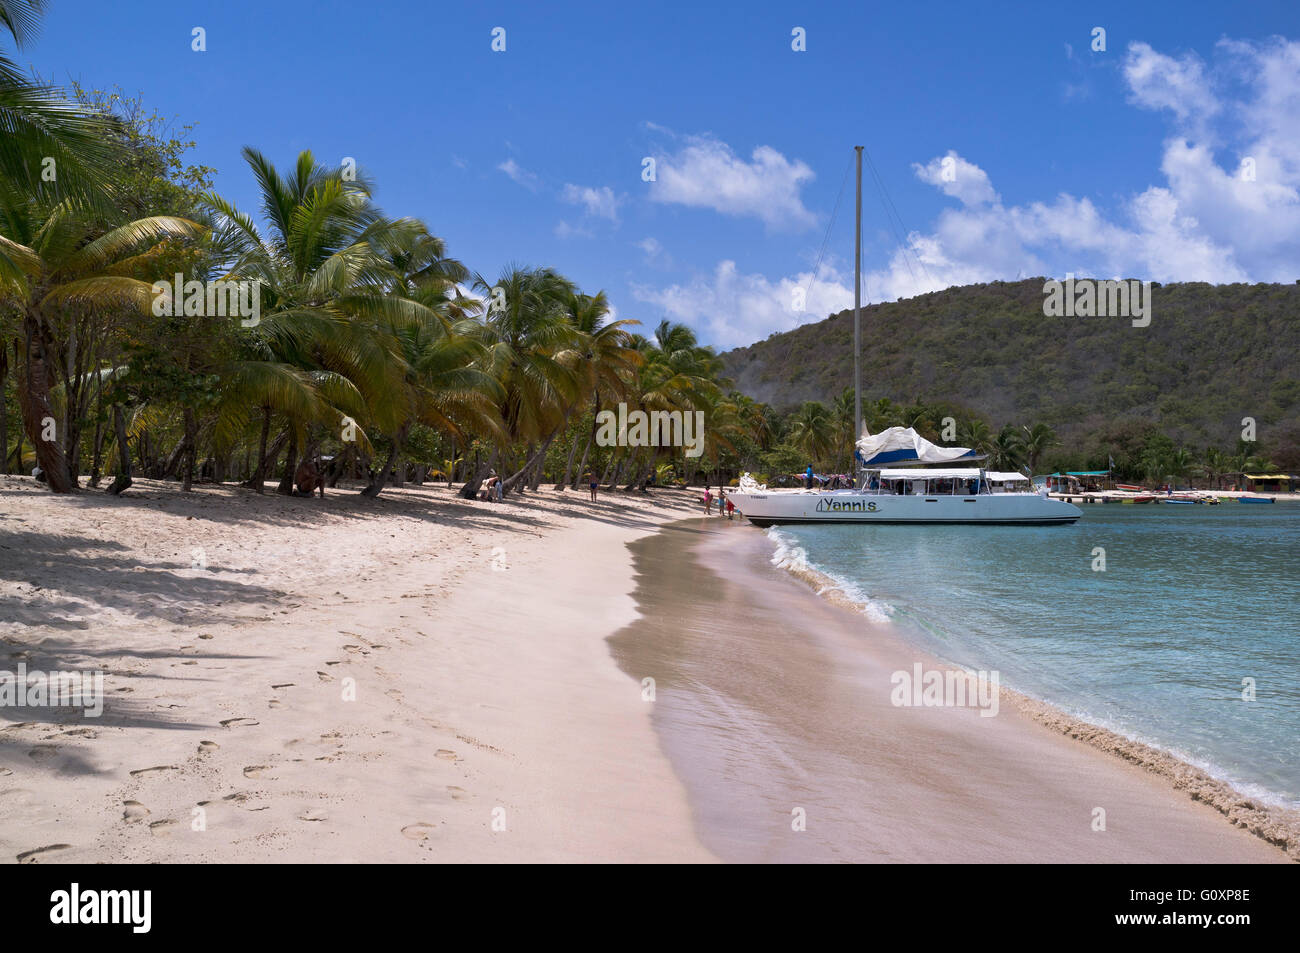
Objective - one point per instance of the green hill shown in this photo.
(1212, 355)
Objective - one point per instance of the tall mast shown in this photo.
(857, 309)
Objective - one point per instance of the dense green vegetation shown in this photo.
(1212, 355)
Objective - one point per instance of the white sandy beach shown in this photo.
(481, 694)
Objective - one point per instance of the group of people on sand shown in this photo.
(724, 503)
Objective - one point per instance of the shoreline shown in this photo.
(1023, 767)
(1274, 823)
(413, 678)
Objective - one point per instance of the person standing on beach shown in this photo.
(591, 482)
(731, 509)
(722, 500)
(708, 500)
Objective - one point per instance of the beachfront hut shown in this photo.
(1074, 481)
(1272, 482)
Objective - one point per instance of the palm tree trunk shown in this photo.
(285, 487)
(258, 479)
(541, 456)
(35, 398)
(582, 466)
(381, 478)
(4, 410)
(123, 479)
(97, 456)
(509, 484)
(191, 448)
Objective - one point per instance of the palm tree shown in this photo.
(812, 431)
(319, 354)
(678, 374)
(1214, 463)
(880, 415)
(1007, 450)
(532, 353)
(608, 360)
(842, 413)
(65, 266)
(975, 434)
(1155, 463)
(1037, 440)
(44, 132)
(1180, 463)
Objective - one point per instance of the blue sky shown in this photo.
(1007, 145)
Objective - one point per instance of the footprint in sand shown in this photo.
(162, 828)
(238, 723)
(283, 685)
(205, 636)
(257, 771)
(325, 676)
(418, 831)
(445, 754)
(315, 814)
(457, 794)
(43, 753)
(207, 747)
(275, 703)
(133, 812)
(33, 856)
(158, 767)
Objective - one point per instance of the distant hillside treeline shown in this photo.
(1212, 355)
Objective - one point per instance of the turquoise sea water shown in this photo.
(1193, 600)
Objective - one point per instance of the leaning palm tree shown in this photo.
(65, 265)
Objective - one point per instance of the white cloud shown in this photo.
(730, 309)
(962, 180)
(1157, 81)
(706, 173)
(654, 252)
(568, 230)
(598, 202)
(1205, 220)
(519, 174)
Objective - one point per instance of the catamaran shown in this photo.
(887, 493)
(886, 490)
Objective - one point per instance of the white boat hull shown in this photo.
(769, 507)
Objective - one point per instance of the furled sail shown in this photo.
(905, 445)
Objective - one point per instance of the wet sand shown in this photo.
(771, 701)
